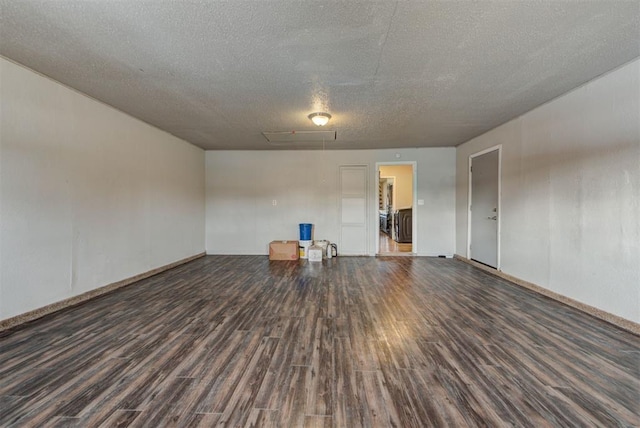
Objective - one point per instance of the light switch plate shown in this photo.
(420, 201)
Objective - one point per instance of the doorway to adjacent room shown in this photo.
(396, 231)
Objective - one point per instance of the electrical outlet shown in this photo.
(274, 202)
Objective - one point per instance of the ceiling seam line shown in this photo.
(386, 36)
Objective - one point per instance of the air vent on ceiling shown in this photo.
(282, 138)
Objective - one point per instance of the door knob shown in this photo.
(495, 217)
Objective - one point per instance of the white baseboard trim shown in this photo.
(83, 297)
(616, 320)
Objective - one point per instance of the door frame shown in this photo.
(497, 147)
(414, 208)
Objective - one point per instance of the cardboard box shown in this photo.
(284, 250)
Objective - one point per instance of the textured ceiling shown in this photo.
(392, 74)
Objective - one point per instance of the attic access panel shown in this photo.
(283, 138)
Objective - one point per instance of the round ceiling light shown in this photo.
(320, 118)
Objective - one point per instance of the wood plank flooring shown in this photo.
(359, 341)
(389, 246)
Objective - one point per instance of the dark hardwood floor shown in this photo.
(361, 341)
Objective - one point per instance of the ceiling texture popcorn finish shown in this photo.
(391, 74)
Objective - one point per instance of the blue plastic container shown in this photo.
(305, 231)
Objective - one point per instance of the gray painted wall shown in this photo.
(88, 195)
(241, 186)
(571, 193)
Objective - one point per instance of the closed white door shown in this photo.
(353, 209)
(484, 208)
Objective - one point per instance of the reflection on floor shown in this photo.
(349, 342)
(388, 245)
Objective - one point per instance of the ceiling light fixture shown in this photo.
(320, 118)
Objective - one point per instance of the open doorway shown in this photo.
(396, 209)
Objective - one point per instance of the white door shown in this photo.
(353, 209)
(484, 208)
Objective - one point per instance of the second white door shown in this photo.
(353, 209)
